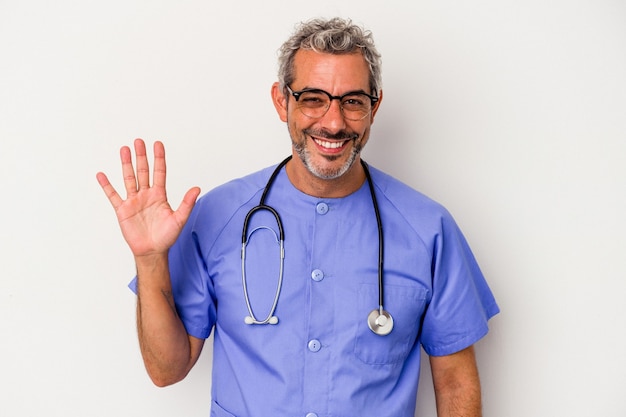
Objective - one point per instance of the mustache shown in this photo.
(341, 135)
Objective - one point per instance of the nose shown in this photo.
(333, 120)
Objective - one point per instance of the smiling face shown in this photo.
(326, 148)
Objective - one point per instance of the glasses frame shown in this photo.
(296, 95)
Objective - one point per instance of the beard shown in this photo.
(317, 170)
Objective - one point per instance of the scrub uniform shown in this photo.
(321, 359)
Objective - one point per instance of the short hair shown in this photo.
(334, 36)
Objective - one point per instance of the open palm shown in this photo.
(148, 223)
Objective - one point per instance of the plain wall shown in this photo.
(510, 113)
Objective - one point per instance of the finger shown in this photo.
(189, 200)
(143, 173)
(159, 173)
(112, 195)
(128, 172)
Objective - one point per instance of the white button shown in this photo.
(311, 415)
(317, 275)
(314, 345)
(321, 208)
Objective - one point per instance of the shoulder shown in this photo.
(239, 190)
(222, 202)
(410, 203)
(405, 208)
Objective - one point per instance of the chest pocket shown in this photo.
(406, 305)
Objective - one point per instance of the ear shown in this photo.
(280, 101)
(376, 106)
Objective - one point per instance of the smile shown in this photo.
(329, 145)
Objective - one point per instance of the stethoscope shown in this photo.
(378, 320)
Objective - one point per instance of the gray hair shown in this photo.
(335, 36)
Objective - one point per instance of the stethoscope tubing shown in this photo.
(280, 238)
(251, 318)
(379, 320)
(381, 242)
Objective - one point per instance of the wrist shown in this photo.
(151, 258)
(151, 263)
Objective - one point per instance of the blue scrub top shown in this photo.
(321, 359)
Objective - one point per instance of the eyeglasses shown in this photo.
(314, 103)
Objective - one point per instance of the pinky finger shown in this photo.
(112, 195)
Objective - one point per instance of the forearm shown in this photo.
(457, 385)
(163, 340)
(460, 401)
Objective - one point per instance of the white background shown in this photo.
(510, 113)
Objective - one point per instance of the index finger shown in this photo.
(109, 190)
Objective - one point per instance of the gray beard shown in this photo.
(305, 157)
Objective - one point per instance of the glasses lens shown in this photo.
(356, 106)
(315, 104)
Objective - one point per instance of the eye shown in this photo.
(355, 101)
(313, 99)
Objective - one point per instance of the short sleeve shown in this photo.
(461, 302)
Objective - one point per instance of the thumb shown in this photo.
(185, 207)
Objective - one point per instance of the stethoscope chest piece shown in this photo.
(380, 322)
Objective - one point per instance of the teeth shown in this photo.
(329, 145)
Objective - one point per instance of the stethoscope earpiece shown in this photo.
(271, 320)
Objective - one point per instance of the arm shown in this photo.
(457, 386)
(150, 227)
(168, 351)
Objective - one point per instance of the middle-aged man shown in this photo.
(371, 271)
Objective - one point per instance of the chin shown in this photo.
(331, 167)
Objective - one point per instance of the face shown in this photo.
(327, 146)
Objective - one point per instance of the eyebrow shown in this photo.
(340, 95)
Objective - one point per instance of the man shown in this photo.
(309, 344)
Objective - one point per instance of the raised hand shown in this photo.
(148, 223)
